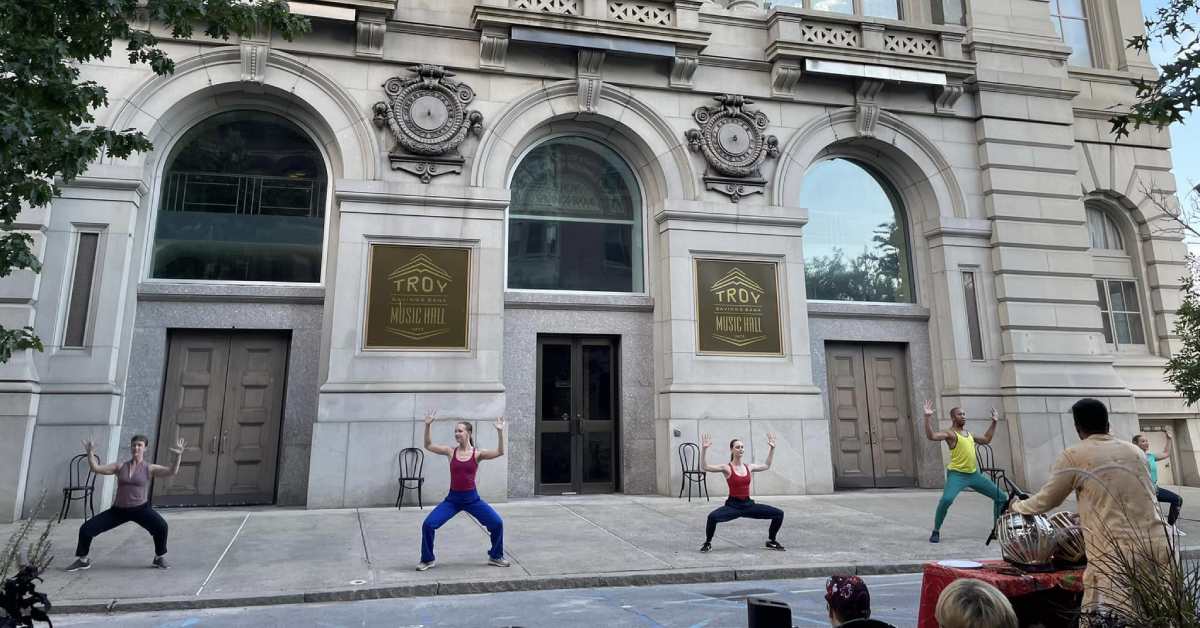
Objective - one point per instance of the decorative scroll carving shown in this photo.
(493, 48)
(590, 83)
(683, 70)
(866, 106)
(910, 44)
(734, 143)
(370, 28)
(641, 13)
(427, 114)
(946, 97)
(829, 35)
(785, 79)
(562, 7)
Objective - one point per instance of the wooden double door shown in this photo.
(577, 415)
(872, 429)
(224, 395)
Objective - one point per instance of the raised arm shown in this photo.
(1166, 452)
(488, 454)
(98, 469)
(770, 455)
(705, 443)
(929, 431)
(991, 430)
(159, 470)
(429, 446)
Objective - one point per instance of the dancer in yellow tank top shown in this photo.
(963, 470)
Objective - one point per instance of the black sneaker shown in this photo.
(707, 547)
(776, 545)
(80, 564)
(160, 562)
(935, 537)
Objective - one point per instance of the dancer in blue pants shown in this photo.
(464, 463)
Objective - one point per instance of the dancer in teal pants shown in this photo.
(963, 470)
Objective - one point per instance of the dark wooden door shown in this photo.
(577, 415)
(224, 395)
(871, 430)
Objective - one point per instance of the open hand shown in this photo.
(180, 445)
(89, 448)
(928, 407)
(995, 415)
(430, 415)
(499, 424)
(771, 440)
(705, 441)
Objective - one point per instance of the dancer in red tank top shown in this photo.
(737, 475)
(464, 463)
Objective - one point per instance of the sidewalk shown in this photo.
(243, 557)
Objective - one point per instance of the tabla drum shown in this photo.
(1069, 537)
(1027, 541)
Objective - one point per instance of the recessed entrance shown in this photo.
(869, 409)
(224, 395)
(577, 415)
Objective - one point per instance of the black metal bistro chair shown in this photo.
(689, 460)
(412, 466)
(81, 485)
(986, 459)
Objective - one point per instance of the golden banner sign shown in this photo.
(737, 307)
(418, 298)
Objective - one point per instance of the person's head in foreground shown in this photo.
(847, 599)
(968, 603)
(1091, 417)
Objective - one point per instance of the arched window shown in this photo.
(243, 199)
(855, 242)
(575, 222)
(1116, 282)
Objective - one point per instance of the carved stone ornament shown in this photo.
(734, 143)
(427, 114)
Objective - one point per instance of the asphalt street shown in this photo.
(894, 599)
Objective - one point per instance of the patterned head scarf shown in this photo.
(848, 597)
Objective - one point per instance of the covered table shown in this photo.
(1047, 597)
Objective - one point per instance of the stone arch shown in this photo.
(910, 160)
(166, 106)
(647, 141)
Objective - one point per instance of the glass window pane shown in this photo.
(1095, 223)
(1105, 317)
(972, 303)
(1129, 289)
(1069, 8)
(575, 220)
(1112, 235)
(556, 382)
(81, 289)
(834, 6)
(1075, 34)
(597, 368)
(1122, 329)
(555, 457)
(881, 8)
(1116, 300)
(243, 199)
(1135, 325)
(855, 242)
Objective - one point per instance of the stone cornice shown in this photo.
(424, 196)
(976, 85)
(979, 40)
(485, 16)
(790, 50)
(433, 30)
(741, 219)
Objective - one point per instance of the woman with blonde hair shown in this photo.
(970, 603)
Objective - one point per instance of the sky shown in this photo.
(1185, 138)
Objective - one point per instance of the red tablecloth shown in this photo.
(1012, 582)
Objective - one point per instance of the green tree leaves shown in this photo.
(48, 134)
(1176, 91)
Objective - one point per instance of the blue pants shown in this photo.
(471, 502)
(956, 481)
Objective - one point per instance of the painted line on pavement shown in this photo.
(222, 556)
(614, 535)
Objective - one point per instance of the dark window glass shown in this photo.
(855, 242)
(972, 300)
(81, 289)
(575, 220)
(243, 199)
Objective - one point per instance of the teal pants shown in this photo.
(956, 481)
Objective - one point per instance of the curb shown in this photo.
(534, 583)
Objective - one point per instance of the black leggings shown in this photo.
(143, 515)
(1174, 499)
(736, 508)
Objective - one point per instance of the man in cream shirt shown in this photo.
(1117, 508)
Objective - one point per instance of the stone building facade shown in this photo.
(621, 223)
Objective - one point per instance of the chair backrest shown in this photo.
(79, 473)
(689, 456)
(412, 462)
(984, 456)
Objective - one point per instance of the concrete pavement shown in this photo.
(243, 557)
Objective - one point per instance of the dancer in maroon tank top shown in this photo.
(132, 502)
(738, 505)
(464, 463)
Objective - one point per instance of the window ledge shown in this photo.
(224, 292)
(578, 301)
(850, 309)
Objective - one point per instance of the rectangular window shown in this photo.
(972, 300)
(870, 8)
(81, 289)
(1120, 313)
(1071, 22)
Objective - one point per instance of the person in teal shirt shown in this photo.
(1162, 494)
